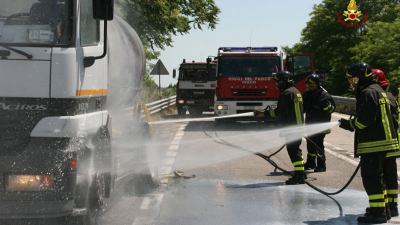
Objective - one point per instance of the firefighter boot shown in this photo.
(321, 164)
(310, 164)
(373, 216)
(393, 210)
(299, 177)
(388, 212)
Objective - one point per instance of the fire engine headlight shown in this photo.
(221, 107)
(29, 183)
(181, 101)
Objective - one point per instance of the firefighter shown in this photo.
(318, 107)
(375, 136)
(390, 165)
(289, 112)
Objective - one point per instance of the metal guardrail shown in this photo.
(157, 106)
(345, 105)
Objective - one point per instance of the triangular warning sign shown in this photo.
(159, 69)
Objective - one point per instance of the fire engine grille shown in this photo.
(243, 111)
(249, 104)
(249, 92)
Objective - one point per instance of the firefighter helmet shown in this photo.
(360, 70)
(381, 78)
(314, 79)
(284, 79)
(284, 76)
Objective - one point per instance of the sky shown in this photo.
(241, 23)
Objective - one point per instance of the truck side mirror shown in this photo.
(103, 9)
(174, 73)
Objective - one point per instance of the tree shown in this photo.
(157, 21)
(331, 41)
(380, 47)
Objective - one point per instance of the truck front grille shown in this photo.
(249, 92)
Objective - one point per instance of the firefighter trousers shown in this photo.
(390, 181)
(296, 156)
(316, 148)
(372, 167)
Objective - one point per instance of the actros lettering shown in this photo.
(4, 106)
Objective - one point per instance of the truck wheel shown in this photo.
(94, 203)
(181, 111)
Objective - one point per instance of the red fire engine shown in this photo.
(244, 77)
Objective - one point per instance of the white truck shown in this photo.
(56, 158)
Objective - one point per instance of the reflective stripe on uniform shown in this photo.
(359, 125)
(272, 113)
(329, 108)
(377, 143)
(299, 169)
(299, 116)
(376, 197)
(298, 163)
(393, 154)
(377, 149)
(377, 204)
(376, 200)
(392, 191)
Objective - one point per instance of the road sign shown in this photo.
(159, 69)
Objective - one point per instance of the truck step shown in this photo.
(79, 212)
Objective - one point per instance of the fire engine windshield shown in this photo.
(248, 65)
(36, 22)
(197, 74)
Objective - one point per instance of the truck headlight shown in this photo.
(222, 107)
(181, 101)
(29, 183)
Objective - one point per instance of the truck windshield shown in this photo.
(197, 74)
(246, 66)
(36, 22)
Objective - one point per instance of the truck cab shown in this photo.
(55, 148)
(245, 77)
(196, 87)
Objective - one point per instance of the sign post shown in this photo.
(159, 69)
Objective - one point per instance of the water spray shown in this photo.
(249, 114)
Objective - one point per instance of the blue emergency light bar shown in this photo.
(248, 49)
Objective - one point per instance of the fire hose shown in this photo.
(275, 165)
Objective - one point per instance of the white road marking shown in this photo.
(340, 156)
(173, 147)
(145, 203)
(143, 221)
(171, 154)
(154, 201)
(169, 161)
(165, 170)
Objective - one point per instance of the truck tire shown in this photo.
(181, 111)
(99, 185)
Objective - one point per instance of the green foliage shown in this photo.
(333, 43)
(157, 20)
(380, 46)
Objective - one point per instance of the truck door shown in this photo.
(92, 82)
(301, 65)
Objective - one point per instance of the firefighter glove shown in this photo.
(346, 124)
